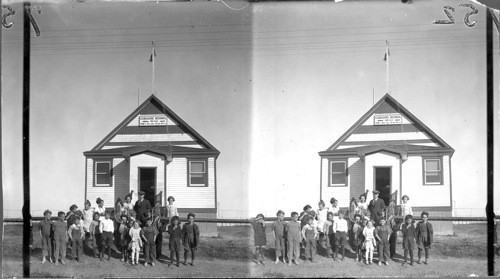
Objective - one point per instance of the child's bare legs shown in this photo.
(366, 255)
(371, 254)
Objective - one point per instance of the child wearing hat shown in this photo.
(408, 230)
(259, 228)
(279, 235)
(376, 206)
(424, 234)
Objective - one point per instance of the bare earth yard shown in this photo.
(230, 255)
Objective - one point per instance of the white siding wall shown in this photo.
(425, 195)
(147, 160)
(190, 197)
(152, 137)
(356, 177)
(382, 159)
(121, 178)
(341, 193)
(387, 136)
(105, 193)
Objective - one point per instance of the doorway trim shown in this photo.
(375, 177)
(155, 180)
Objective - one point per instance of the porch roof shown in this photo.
(162, 150)
(401, 149)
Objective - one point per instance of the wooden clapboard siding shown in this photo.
(147, 159)
(341, 193)
(121, 176)
(105, 193)
(135, 121)
(356, 177)
(420, 194)
(387, 136)
(152, 138)
(190, 197)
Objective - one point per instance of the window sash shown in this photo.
(102, 178)
(197, 178)
(338, 178)
(433, 175)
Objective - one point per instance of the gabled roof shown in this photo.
(128, 133)
(387, 104)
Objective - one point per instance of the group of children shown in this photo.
(96, 228)
(332, 228)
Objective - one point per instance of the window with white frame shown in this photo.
(197, 176)
(433, 171)
(102, 174)
(338, 173)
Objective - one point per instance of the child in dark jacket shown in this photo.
(190, 238)
(148, 234)
(175, 236)
(424, 235)
(408, 230)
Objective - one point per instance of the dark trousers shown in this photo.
(293, 247)
(392, 244)
(107, 241)
(77, 248)
(426, 249)
(149, 251)
(341, 240)
(310, 248)
(46, 246)
(279, 244)
(383, 251)
(96, 243)
(159, 243)
(186, 254)
(60, 243)
(331, 244)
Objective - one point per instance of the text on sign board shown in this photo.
(387, 119)
(153, 120)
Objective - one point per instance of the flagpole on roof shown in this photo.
(152, 60)
(387, 55)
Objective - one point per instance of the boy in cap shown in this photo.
(424, 234)
(142, 207)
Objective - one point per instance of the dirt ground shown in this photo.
(230, 255)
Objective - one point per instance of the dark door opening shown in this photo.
(383, 182)
(147, 183)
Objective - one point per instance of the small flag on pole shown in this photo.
(153, 53)
(387, 52)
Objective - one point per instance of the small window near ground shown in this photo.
(433, 171)
(102, 174)
(197, 173)
(338, 173)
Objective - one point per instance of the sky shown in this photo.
(269, 86)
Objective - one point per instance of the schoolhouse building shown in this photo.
(155, 151)
(390, 150)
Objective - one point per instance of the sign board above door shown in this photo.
(153, 120)
(387, 119)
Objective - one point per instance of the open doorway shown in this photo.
(382, 176)
(147, 183)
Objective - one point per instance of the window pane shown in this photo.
(338, 167)
(338, 178)
(432, 177)
(197, 179)
(103, 179)
(102, 167)
(197, 167)
(432, 165)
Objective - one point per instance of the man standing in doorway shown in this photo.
(142, 207)
(376, 206)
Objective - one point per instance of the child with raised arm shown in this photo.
(310, 235)
(382, 234)
(60, 238)
(190, 238)
(340, 230)
(424, 235)
(358, 238)
(45, 228)
(175, 236)
(76, 234)
(279, 236)
(293, 233)
(260, 241)
(148, 234)
(408, 230)
(369, 244)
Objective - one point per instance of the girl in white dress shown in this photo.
(135, 243)
(322, 215)
(405, 206)
(370, 243)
